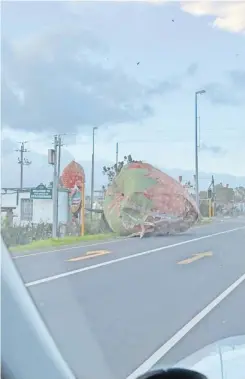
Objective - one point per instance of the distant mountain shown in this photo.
(205, 178)
(41, 172)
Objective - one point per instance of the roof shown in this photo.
(4, 209)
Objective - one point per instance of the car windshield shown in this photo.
(123, 184)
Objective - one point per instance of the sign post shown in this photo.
(82, 210)
(41, 192)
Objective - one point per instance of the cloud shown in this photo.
(237, 78)
(173, 84)
(192, 69)
(7, 146)
(53, 82)
(59, 80)
(229, 16)
(221, 94)
(213, 149)
(165, 87)
(230, 92)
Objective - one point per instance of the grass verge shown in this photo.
(56, 242)
(205, 220)
(66, 241)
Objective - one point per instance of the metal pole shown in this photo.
(214, 197)
(55, 192)
(22, 161)
(196, 152)
(59, 156)
(58, 177)
(117, 155)
(82, 210)
(21, 164)
(92, 175)
(199, 132)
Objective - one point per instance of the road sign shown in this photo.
(41, 192)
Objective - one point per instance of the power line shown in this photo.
(22, 161)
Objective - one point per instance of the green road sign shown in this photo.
(41, 192)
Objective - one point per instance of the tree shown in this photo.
(224, 194)
(114, 170)
(240, 194)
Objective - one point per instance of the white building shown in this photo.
(27, 207)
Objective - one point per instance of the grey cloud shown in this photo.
(232, 93)
(59, 80)
(237, 78)
(164, 87)
(63, 89)
(192, 69)
(167, 86)
(7, 147)
(212, 149)
(219, 94)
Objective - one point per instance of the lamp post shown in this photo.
(117, 155)
(92, 173)
(201, 92)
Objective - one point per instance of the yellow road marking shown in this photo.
(89, 254)
(195, 257)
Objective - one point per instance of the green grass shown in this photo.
(205, 220)
(56, 242)
(66, 241)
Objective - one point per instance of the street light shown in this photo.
(201, 92)
(92, 174)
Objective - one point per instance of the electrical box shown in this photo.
(51, 156)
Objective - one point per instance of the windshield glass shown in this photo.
(123, 187)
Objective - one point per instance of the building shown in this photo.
(34, 205)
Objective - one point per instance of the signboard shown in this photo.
(75, 200)
(41, 192)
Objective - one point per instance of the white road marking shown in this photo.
(163, 350)
(132, 256)
(67, 247)
(119, 239)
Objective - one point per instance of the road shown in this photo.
(110, 313)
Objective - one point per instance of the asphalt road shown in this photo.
(111, 313)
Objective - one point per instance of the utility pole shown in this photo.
(22, 161)
(214, 197)
(196, 146)
(59, 155)
(117, 155)
(59, 144)
(92, 174)
(53, 160)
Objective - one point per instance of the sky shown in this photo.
(131, 69)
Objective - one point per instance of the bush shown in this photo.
(204, 208)
(24, 234)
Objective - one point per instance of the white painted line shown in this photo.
(71, 247)
(67, 247)
(118, 260)
(163, 350)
